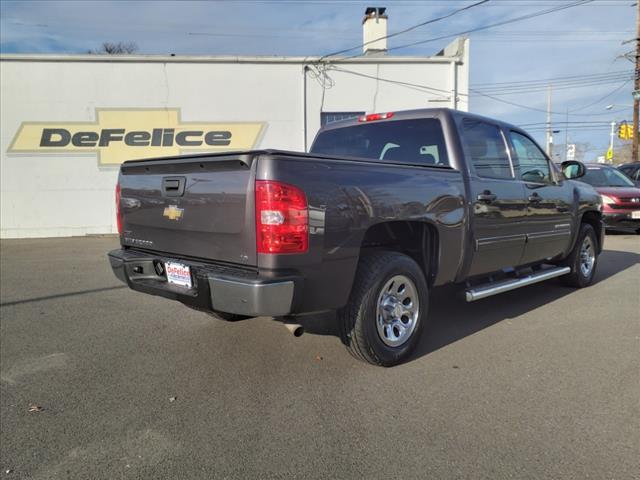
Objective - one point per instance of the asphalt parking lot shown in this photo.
(542, 382)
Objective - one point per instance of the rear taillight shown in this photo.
(282, 218)
(118, 214)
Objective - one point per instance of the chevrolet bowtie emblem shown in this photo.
(173, 212)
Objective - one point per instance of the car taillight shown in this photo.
(375, 116)
(282, 218)
(118, 213)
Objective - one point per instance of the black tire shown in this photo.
(577, 278)
(358, 319)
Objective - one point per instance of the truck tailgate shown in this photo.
(198, 206)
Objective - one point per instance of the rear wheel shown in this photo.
(583, 259)
(382, 322)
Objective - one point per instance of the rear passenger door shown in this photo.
(549, 201)
(498, 201)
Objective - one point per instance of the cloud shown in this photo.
(576, 41)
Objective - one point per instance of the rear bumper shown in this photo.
(620, 220)
(216, 288)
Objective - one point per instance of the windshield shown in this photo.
(606, 177)
(417, 141)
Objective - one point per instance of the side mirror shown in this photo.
(573, 169)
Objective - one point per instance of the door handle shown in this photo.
(486, 196)
(534, 198)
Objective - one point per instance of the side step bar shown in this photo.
(489, 289)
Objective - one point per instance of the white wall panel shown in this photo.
(62, 194)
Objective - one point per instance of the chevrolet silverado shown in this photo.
(383, 209)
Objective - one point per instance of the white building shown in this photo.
(68, 121)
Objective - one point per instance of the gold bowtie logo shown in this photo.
(173, 212)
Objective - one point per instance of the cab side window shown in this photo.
(485, 148)
(532, 165)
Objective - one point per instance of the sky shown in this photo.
(584, 42)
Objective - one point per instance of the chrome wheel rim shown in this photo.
(587, 256)
(398, 310)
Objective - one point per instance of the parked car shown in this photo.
(631, 170)
(620, 197)
(384, 208)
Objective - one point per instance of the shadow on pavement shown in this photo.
(61, 295)
(452, 319)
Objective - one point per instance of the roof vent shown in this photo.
(374, 29)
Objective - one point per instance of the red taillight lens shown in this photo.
(282, 218)
(118, 214)
(375, 116)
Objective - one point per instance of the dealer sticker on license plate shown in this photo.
(635, 214)
(178, 274)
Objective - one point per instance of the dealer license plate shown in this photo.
(635, 214)
(178, 274)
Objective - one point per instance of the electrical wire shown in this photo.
(600, 99)
(503, 92)
(409, 29)
(447, 94)
(496, 24)
(557, 82)
(415, 86)
(548, 80)
(527, 107)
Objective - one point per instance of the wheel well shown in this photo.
(595, 220)
(419, 240)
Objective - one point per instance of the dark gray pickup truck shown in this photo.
(384, 208)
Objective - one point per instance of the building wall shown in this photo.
(46, 194)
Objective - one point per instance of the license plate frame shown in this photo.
(635, 215)
(178, 274)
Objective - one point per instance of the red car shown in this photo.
(620, 197)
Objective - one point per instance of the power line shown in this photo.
(555, 80)
(515, 91)
(570, 122)
(415, 86)
(615, 90)
(446, 93)
(497, 24)
(413, 27)
(527, 107)
(443, 3)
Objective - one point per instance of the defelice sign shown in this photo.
(129, 134)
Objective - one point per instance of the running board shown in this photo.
(489, 289)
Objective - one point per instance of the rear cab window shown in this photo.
(412, 141)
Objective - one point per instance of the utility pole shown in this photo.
(636, 87)
(549, 132)
(566, 136)
(612, 135)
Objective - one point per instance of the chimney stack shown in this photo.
(374, 26)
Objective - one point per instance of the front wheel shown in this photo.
(583, 259)
(382, 322)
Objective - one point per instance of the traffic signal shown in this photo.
(625, 131)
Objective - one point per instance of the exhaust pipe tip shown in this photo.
(295, 329)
